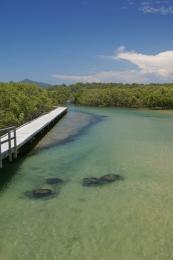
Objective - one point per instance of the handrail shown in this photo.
(11, 150)
(7, 128)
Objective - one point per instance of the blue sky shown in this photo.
(86, 40)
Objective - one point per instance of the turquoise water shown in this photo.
(127, 220)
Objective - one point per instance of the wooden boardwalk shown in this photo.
(27, 132)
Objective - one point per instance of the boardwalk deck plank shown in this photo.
(26, 132)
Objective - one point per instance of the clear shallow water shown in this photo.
(131, 219)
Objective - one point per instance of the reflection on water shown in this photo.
(129, 219)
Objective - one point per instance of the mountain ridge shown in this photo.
(41, 84)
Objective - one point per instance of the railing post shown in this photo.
(0, 154)
(15, 144)
(9, 146)
(11, 139)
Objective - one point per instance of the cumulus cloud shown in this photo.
(160, 64)
(149, 68)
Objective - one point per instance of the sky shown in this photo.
(67, 41)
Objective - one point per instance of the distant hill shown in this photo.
(41, 84)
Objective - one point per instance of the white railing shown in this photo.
(7, 135)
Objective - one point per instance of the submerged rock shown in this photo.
(41, 193)
(110, 178)
(54, 181)
(93, 181)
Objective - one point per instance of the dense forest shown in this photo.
(22, 102)
(133, 96)
(154, 96)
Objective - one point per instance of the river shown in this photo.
(131, 219)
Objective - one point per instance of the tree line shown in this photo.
(132, 96)
(154, 96)
(22, 102)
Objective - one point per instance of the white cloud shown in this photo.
(163, 7)
(128, 76)
(157, 10)
(149, 68)
(160, 64)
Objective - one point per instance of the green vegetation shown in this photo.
(133, 96)
(155, 96)
(22, 102)
(60, 94)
